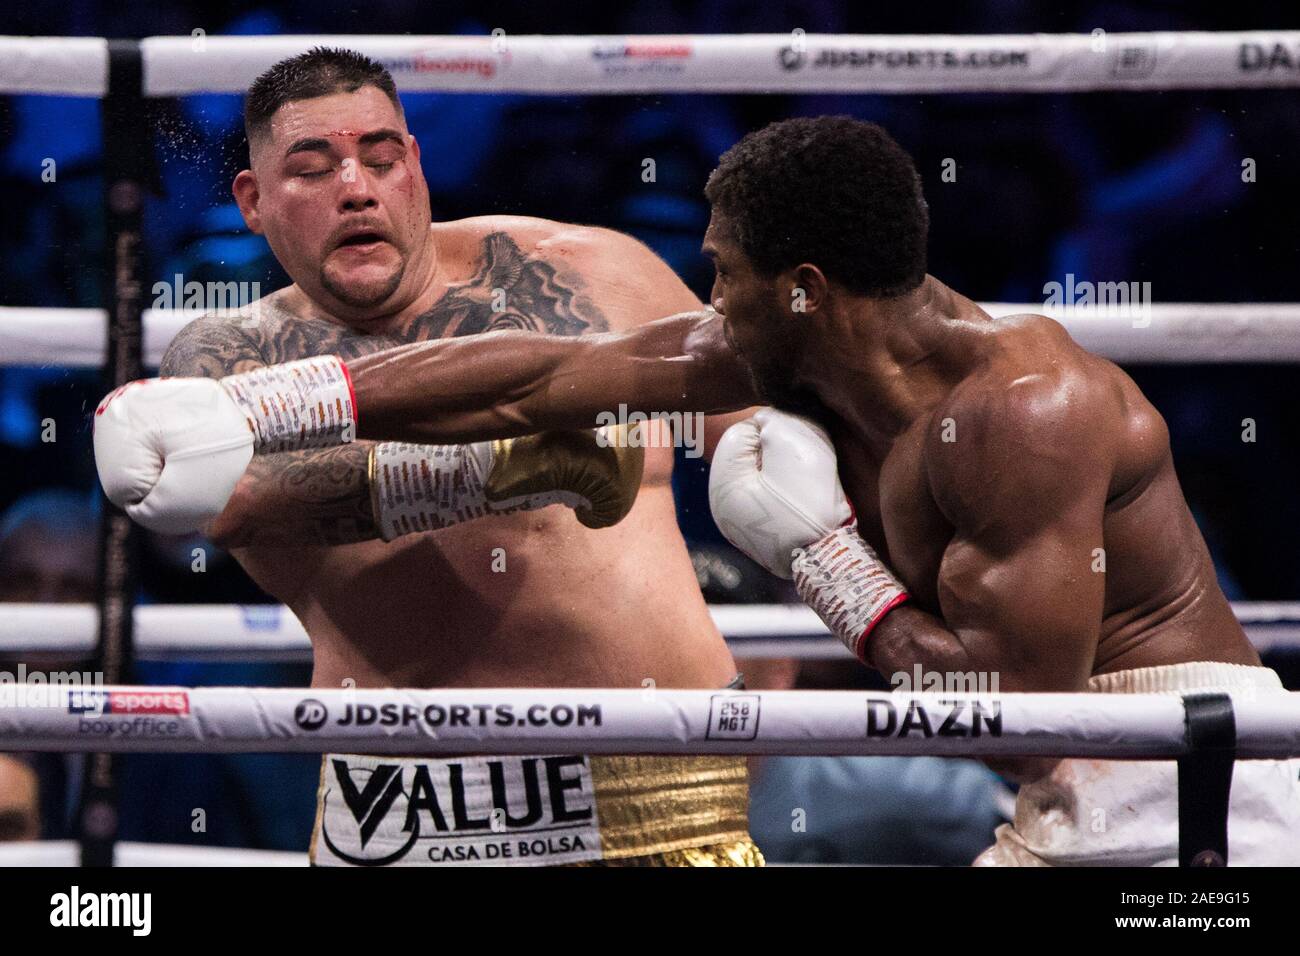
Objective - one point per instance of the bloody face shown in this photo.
(336, 188)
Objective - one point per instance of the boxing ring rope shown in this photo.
(795, 62)
(63, 718)
(271, 632)
(1153, 333)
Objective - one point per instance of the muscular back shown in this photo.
(532, 598)
(1045, 480)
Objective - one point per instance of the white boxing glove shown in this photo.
(775, 492)
(171, 450)
(774, 487)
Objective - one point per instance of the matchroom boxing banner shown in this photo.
(757, 63)
(748, 63)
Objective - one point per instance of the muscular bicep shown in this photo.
(1027, 597)
(677, 364)
(1024, 486)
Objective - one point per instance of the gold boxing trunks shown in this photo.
(532, 811)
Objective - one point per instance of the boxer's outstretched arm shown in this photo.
(512, 383)
(1024, 488)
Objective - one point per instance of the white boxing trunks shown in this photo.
(1125, 813)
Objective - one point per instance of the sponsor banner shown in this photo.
(464, 811)
(142, 700)
(633, 721)
(760, 63)
(144, 714)
(733, 717)
(353, 717)
(643, 59)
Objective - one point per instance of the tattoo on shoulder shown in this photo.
(321, 496)
(289, 337)
(511, 290)
(210, 348)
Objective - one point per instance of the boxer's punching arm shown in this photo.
(361, 490)
(1021, 583)
(514, 383)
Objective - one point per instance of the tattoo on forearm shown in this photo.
(319, 497)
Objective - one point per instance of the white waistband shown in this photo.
(1194, 675)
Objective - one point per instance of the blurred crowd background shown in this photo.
(1131, 187)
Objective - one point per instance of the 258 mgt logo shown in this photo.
(312, 714)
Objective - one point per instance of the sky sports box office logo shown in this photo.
(118, 702)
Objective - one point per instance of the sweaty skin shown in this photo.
(1020, 487)
(521, 600)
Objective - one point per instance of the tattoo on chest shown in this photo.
(509, 290)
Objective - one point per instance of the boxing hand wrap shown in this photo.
(307, 403)
(425, 487)
(841, 578)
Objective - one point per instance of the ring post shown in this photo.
(1205, 780)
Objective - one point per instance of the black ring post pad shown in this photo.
(1205, 780)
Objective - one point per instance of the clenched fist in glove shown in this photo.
(775, 492)
(171, 450)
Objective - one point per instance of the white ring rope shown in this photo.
(271, 632)
(1162, 333)
(745, 63)
(602, 721)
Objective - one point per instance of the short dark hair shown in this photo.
(318, 72)
(830, 190)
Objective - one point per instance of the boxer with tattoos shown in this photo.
(413, 565)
